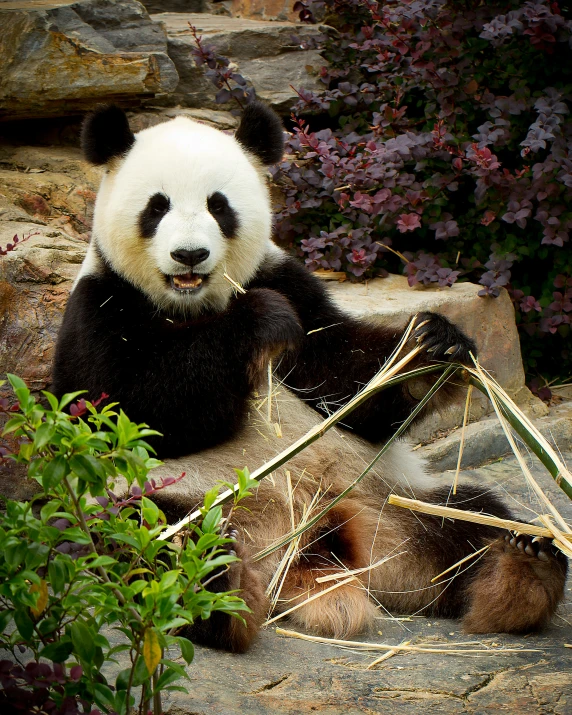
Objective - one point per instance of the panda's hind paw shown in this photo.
(518, 586)
(441, 339)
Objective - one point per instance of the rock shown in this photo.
(61, 57)
(267, 54)
(489, 321)
(152, 116)
(49, 186)
(485, 440)
(175, 5)
(35, 280)
(263, 9)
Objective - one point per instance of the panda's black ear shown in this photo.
(105, 134)
(261, 133)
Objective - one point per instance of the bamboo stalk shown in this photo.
(528, 433)
(451, 513)
(385, 378)
(488, 383)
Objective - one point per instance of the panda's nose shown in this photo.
(190, 258)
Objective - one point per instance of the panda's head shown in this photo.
(182, 203)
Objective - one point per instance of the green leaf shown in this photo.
(212, 520)
(140, 674)
(150, 511)
(16, 382)
(58, 652)
(13, 424)
(24, 623)
(169, 676)
(51, 399)
(82, 640)
(49, 509)
(168, 579)
(104, 696)
(122, 680)
(54, 472)
(187, 649)
(5, 618)
(87, 468)
(70, 397)
(44, 434)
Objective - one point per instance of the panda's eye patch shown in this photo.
(150, 218)
(223, 213)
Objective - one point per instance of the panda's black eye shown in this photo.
(223, 213)
(150, 218)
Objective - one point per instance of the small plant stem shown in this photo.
(132, 674)
(100, 570)
(157, 709)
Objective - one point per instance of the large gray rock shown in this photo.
(62, 56)
(267, 54)
(489, 321)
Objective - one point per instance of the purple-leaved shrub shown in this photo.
(443, 131)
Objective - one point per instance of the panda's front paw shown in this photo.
(276, 326)
(442, 340)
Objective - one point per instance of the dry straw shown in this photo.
(404, 647)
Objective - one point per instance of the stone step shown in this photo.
(61, 57)
(489, 321)
(268, 54)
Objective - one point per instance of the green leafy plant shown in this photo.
(84, 580)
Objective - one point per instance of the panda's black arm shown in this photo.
(190, 380)
(344, 353)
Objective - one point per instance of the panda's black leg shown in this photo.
(518, 586)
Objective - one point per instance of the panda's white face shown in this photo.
(184, 206)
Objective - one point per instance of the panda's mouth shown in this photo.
(188, 282)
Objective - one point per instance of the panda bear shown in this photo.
(153, 322)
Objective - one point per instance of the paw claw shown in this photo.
(451, 350)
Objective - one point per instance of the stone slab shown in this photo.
(268, 54)
(63, 56)
(485, 440)
(489, 321)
